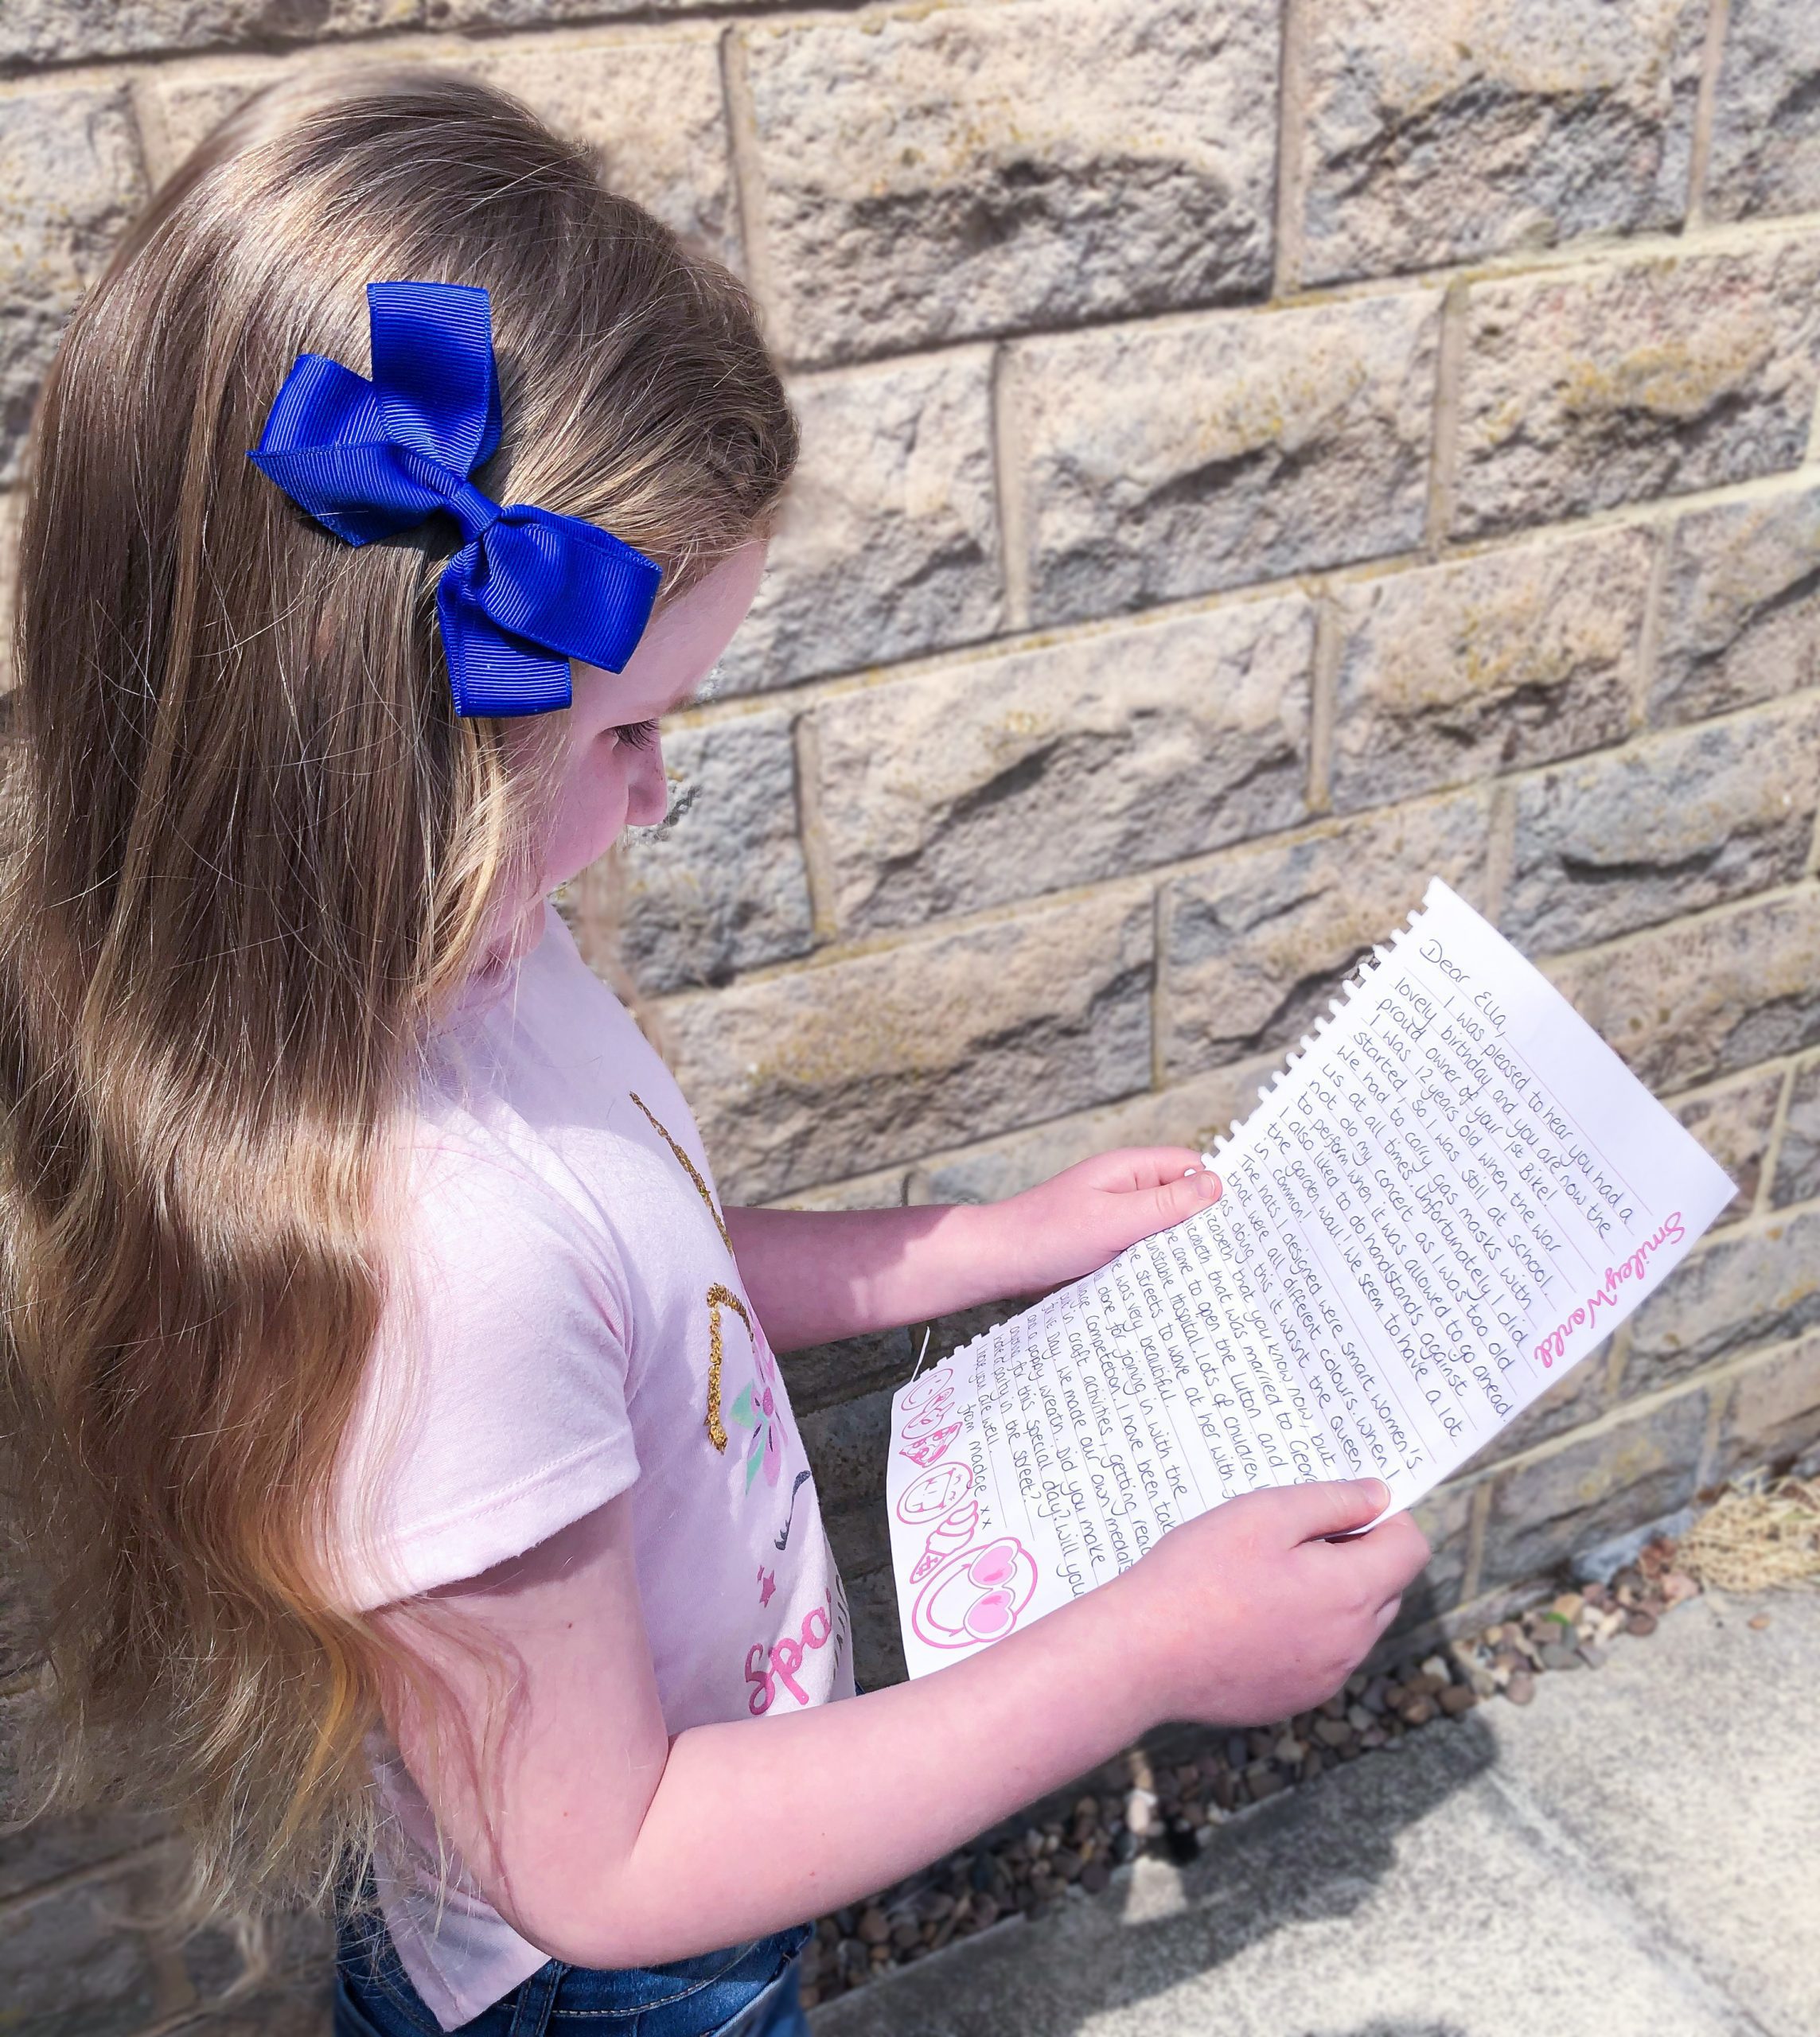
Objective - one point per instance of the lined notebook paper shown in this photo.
(1450, 1196)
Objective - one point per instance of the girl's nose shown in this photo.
(647, 788)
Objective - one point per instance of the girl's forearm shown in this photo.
(756, 1826)
(816, 1274)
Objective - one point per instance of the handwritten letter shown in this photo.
(1449, 1196)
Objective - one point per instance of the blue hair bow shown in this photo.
(530, 590)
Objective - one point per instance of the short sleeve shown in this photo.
(493, 1409)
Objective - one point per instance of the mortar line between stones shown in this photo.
(818, 864)
(1500, 848)
(1763, 1203)
(1324, 701)
(1158, 1003)
(745, 170)
(1648, 636)
(1444, 434)
(1644, 515)
(1478, 1517)
(1706, 1458)
(1008, 492)
(1700, 153)
(1552, 1838)
(1291, 115)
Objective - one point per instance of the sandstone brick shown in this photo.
(1638, 1468)
(1192, 1113)
(826, 1374)
(1798, 1164)
(846, 1445)
(1684, 1003)
(1766, 112)
(1576, 1398)
(859, 1534)
(1732, 1121)
(931, 173)
(303, 2007)
(1740, 608)
(721, 884)
(1447, 133)
(1772, 1416)
(888, 542)
(1168, 460)
(878, 1639)
(1586, 388)
(1256, 943)
(1445, 1516)
(1755, 1285)
(69, 181)
(78, 31)
(1666, 826)
(651, 104)
(1080, 760)
(820, 1072)
(69, 1968)
(1456, 672)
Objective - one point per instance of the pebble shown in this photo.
(1140, 1812)
(1757, 1624)
(1175, 1812)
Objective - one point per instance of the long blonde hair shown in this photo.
(250, 849)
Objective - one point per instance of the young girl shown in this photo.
(406, 1464)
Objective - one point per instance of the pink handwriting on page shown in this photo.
(1671, 1231)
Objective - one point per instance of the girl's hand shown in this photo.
(1248, 1613)
(1077, 1220)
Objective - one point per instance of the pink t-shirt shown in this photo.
(572, 1323)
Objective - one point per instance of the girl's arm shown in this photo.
(814, 1275)
(606, 1843)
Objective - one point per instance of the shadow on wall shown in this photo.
(1310, 1857)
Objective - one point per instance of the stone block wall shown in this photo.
(1258, 453)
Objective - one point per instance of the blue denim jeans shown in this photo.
(748, 1991)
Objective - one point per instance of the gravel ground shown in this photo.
(1137, 1805)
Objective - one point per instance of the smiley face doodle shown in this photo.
(931, 1495)
(978, 1595)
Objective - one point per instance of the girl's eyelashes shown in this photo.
(638, 735)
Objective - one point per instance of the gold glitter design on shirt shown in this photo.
(717, 1298)
(688, 1165)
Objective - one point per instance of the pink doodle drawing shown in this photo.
(930, 1449)
(976, 1596)
(767, 1584)
(938, 1379)
(949, 1535)
(930, 1495)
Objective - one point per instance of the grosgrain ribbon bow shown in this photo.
(530, 590)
